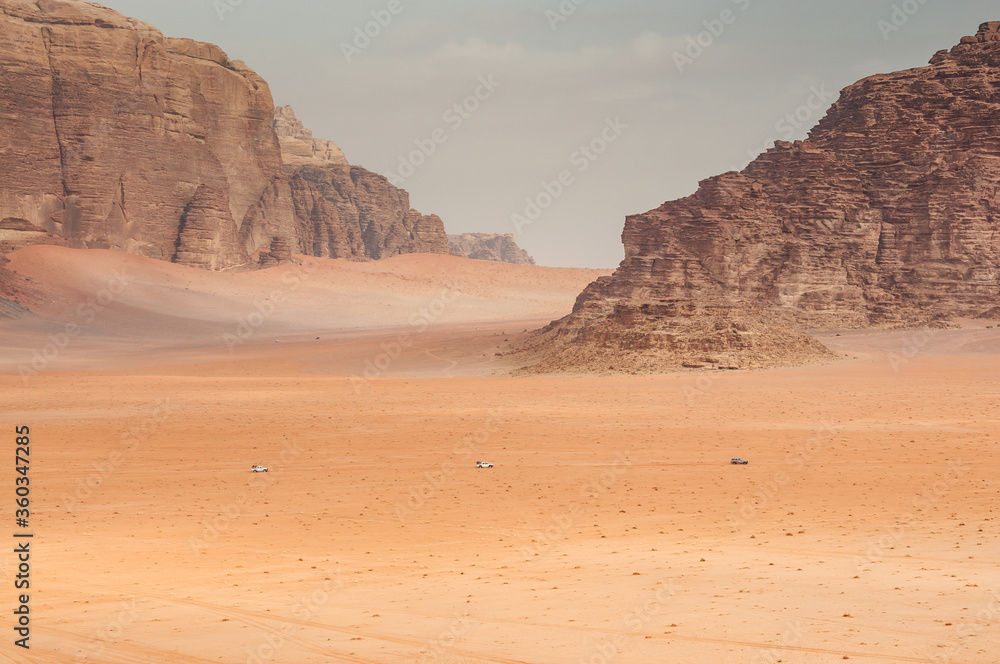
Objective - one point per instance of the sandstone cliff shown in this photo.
(889, 214)
(350, 212)
(489, 247)
(116, 137)
(345, 211)
(299, 146)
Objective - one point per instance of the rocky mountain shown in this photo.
(116, 137)
(345, 211)
(500, 248)
(888, 215)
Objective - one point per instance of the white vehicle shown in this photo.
(737, 461)
(258, 469)
(483, 464)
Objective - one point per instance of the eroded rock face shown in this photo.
(500, 248)
(207, 238)
(345, 211)
(299, 146)
(889, 214)
(113, 134)
(350, 212)
(115, 137)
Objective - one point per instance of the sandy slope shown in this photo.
(119, 303)
(611, 529)
(314, 294)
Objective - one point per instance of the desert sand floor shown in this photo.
(612, 527)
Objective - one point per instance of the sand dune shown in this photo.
(123, 305)
(313, 294)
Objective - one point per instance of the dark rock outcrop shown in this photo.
(500, 248)
(888, 215)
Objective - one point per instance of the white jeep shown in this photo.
(483, 464)
(258, 469)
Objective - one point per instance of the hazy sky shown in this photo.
(660, 94)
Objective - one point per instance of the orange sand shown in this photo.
(612, 527)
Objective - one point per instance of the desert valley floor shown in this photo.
(612, 526)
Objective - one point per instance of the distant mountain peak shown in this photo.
(496, 247)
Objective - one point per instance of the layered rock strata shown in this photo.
(888, 215)
(114, 133)
(299, 146)
(116, 137)
(345, 211)
(350, 212)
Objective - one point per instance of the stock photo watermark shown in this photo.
(704, 40)
(802, 117)
(213, 528)
(762, 497)
(894, 534)
(454, 118)
(430, 313)
(986, 618)
(223, 7)
(435, 480)
(911, 347)
(84, 314)
(306, 607)
(137, 433)
(365, 34)
(792, 636)
(899, 17)
(437, 649)
(111, 632)
(543, 540)
(247, 326)
(23, 536)
(562, 13)
(608, 648)
(580, 160)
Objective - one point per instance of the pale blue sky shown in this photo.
(678, 122)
